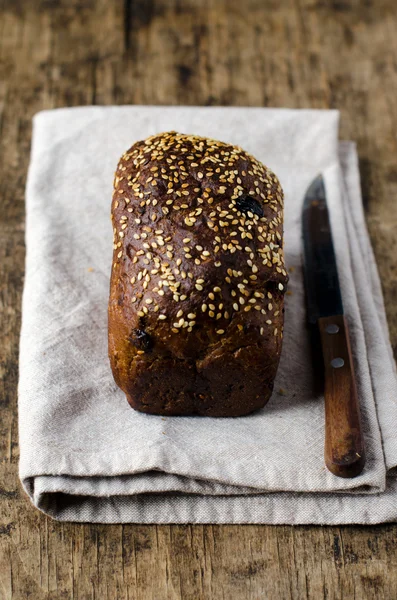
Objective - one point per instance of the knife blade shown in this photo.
(344, 443)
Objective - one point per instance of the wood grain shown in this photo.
(344, 444)
(302, 53)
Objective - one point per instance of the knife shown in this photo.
(344, 444)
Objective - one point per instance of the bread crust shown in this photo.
(198, 279)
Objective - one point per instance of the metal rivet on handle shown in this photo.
(332, 328)
(337, 363)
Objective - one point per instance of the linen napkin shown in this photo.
(85, 455)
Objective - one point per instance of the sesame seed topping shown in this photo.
(157, 174)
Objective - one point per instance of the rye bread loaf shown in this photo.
(198, 277)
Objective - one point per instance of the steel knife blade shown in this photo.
(321, 274)
(344, 444)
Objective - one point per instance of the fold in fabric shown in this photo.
(85, 455)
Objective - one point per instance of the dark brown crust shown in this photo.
(195, 327)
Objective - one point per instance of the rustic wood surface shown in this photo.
(295, 53)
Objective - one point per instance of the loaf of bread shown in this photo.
(198, 277)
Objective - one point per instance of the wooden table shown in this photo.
(302, 53)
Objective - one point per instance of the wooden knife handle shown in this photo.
(344, 443)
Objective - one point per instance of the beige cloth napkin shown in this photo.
(85, 454)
